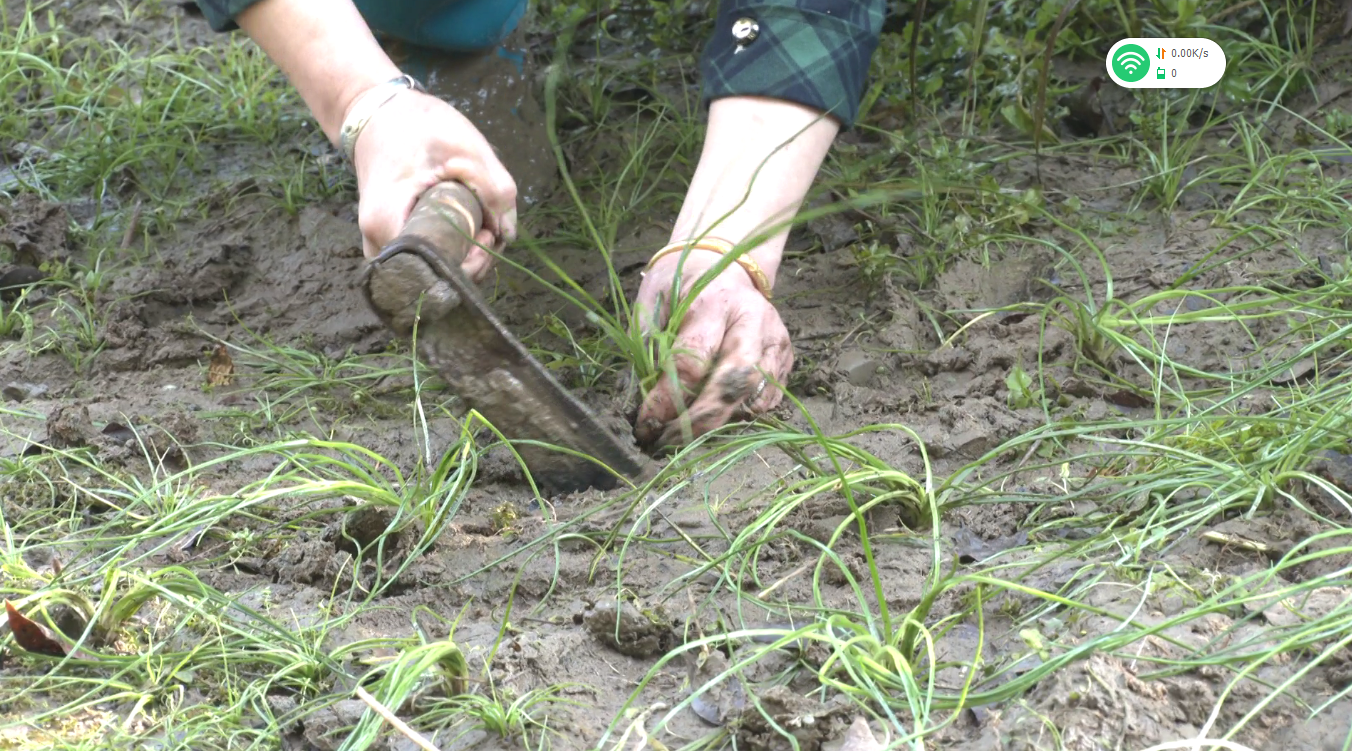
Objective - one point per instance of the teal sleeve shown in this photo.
(220, 14)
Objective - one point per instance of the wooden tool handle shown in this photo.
(400, 286)
(448, 216)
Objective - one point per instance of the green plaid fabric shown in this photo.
(814, 52)
(221, 13)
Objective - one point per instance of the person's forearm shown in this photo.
(740, 153)
(324, 48)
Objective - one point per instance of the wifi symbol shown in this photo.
(1131, 63)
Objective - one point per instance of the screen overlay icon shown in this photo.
(1131, 63)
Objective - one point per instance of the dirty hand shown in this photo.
(730, 340)
(414, 142)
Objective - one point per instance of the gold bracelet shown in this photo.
(721, 247)
(362, 109)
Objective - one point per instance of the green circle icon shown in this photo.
(1131, 62)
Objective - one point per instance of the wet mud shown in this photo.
(293, 280)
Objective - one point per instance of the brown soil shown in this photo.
(251, 270)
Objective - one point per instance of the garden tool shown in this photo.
(416, 287)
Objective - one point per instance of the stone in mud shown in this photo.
(22, 392)
(1334, 467)
(948, 360)
(629, 631)
(1307, 607)
(1075, 387)
(860, 368)
(327, 728)
(810, 722)
(858, 737)
(963, 433)
(720, 702)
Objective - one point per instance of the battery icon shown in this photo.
(1159, 73)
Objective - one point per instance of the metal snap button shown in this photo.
(745, 31)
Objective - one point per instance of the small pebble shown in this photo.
(22, 392)
(859, 367)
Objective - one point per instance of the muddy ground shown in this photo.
(251, 270)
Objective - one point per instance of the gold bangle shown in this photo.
(364, 107)
(721, 247)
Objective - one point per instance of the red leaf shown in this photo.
(31, 636)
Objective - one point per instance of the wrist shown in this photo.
(366, 106)
(766, 255)
(351, 91)
(325, 49)
(747, 267)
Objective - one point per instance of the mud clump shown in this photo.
(124, 339)
(314, 563)
(69, 426)
(34, 231)
(628, 630)
(161, 439)
(810, 722)
(208, 276)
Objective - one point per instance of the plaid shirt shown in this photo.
(813, 52)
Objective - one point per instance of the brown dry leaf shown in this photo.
(221, 370)
(31, 636)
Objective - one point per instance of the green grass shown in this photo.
(165, 649)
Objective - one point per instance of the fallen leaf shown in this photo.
(221, 371)
(31, 636)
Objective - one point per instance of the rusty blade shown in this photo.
(482, 362)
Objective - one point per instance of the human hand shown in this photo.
(414, 142)
(730, 340)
